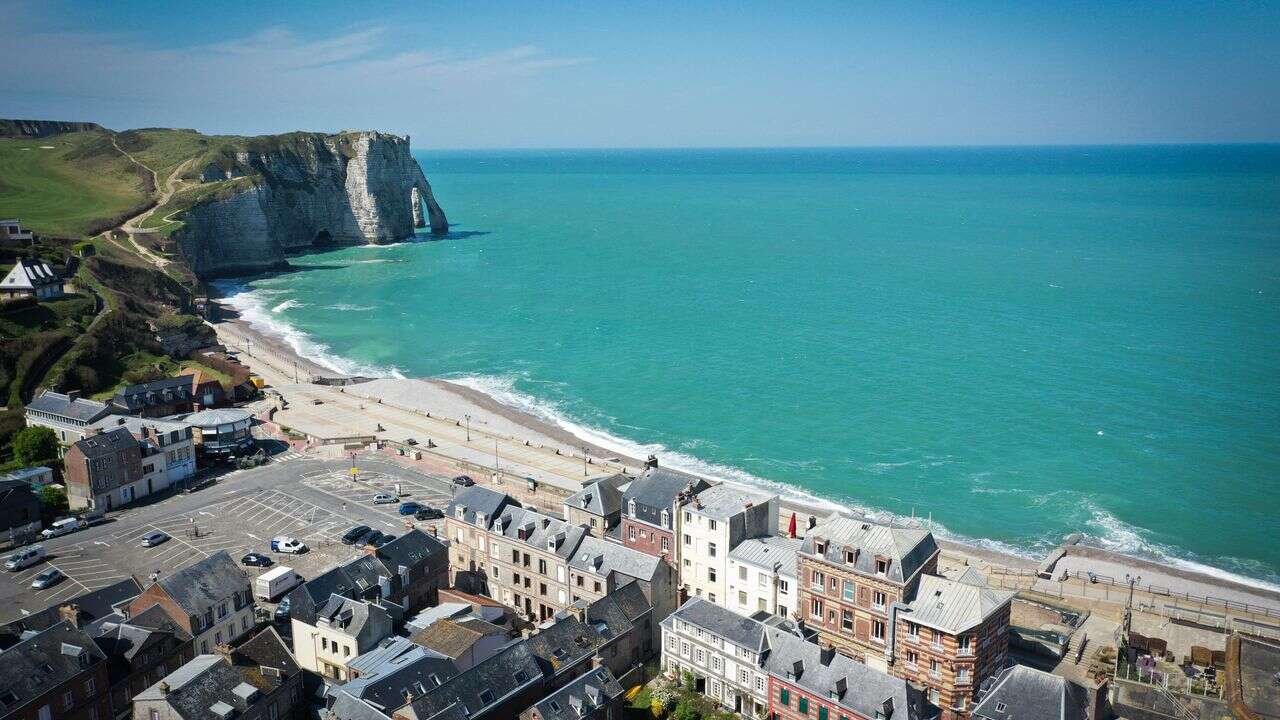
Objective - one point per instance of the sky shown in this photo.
(657, 74)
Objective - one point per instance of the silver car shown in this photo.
(384, 499)
(154, 539)
(47, 578)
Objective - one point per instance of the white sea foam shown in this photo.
(376, 261)
(251, 305)
(345, 307)
(286, 305)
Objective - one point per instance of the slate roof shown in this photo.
(105, 443)
(47, 659)
(599, 498)
(31, 273)
(210, 679)
(769, 552)
(952, 606)
(907, 548)
(723, 501)
(350, 707)
(511, 671)
(479, 499)
(719, 621)
(135, 424)
(94, 606)
(81, 409)
(539, 529)
(202, 585)
(125, 639)
(415, 548)
(613, 557)
(357, 618)
(157, 392)
(866, 691)
(360, 577)
(1029, 694)
(619, 611)
(656, 490)
(565, 644)
(397, 666)
(581, 696)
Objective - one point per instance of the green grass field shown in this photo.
(66, 185)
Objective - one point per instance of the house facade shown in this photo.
(31, 277)
(103, 470)
(762, 576)
(599, 568)
(850, 573)
(712, 524)
(467, 522)
(11, 232)
(57, 673)
(139, 649)
(651, 511)
(597, 506)
(212, 600)
(722, 650)
(529, 555)
(67, 414)
(344, 629)
(158, 398)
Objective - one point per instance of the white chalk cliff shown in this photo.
(290, 193)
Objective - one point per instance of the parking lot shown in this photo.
(312, 500)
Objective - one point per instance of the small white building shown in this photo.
(344, 630)
(762, 576)
(31, 277)
(712, 525)
(11, 231)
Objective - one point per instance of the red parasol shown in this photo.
(791, 528)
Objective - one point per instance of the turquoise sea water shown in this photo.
(1022, 342)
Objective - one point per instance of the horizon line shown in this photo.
(993, 146)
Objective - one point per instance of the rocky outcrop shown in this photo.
(275, 195)
(43, 128)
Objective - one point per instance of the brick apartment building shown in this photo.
(103, 470)
(651, 511)
(851, 573)
(211, 600)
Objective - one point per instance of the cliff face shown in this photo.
(279, 194)
(43, 128)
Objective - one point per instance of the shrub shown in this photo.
(35, 445)
(53, 502)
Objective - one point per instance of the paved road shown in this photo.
(311, 499)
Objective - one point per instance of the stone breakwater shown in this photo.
(305, 191)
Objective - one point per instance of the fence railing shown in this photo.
(1177, 681)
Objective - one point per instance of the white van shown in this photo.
(24, 558)
(64, 526)
(274, 583)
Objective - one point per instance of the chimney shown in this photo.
(596, 661)
(73, 395)
(164, 688)
(651, 463)
(371, 550)
(826, 655)
(224, 650)
(71, 613)
(92, 431)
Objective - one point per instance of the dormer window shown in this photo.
(666, 519)
(631, 508)
(480, 519)
(819, 547)
(850, 556)
(460, 512)
(882, 566)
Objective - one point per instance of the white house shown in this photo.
(762, 576)
(712, 525)
(31, 277)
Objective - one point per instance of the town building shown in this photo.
(595, 695)
(211, 599)
(343, 629)
(56, 673)
(206, 392)
(223, 433)
(599, 568)
(1019, 692)
(256, 681)
(712, 525)
(103, 470)
(386, 678)
(138, 649)
(19, 513)
(598, 506)
(851, 572)
(167, 448)
(37, 477)
(567, 648)
(950, 637)
(632, 632)
(67, 414)
(467, 641)
(33, 278)
(762, 576)
(157, 398)
(722, 650)
(81, 611)
(497, 689)
(651, 508)
(468, 520)
(808, 681)
(12, 234)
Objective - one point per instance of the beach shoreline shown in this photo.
(451, 399)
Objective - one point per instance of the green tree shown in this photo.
(54, 501)
(34, 445)
(685, 710)
(689, 682)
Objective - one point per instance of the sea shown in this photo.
(1008, 344)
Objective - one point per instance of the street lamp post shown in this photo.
(584, 461)
(468, 417)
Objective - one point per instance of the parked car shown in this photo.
(355, 534)
(63, 526)
(410, 508)
(374, 538)
(24, 558)
(154, 539)
(383, 499)
(464, 481)
(282, 610)
(48, 578)
(428, 513)
(286, 544)
(386, 538)
(254, 559)
(94, 517)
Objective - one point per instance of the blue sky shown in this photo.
(656, 74)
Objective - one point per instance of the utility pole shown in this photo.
(1128, 606)
(468, 417)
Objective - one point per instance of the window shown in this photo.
(688, 516)
(784, 697)
(666, 519)
(782, 611)
(913, 632)
(486, 697)
(760, 683)
(846, 620)
(699, 657)
(593, 523)
(783, 586)
(631, 533)
(934, 669)
(1000, 707)
(816, 580)
(803, 705)
(711, 597)
(542, 567)
(964, 643)
(742, 598)
(962, 675)
(684, 649)
(877, 630)
(68, 699)
(848, 589)
(815, 608)
(878, 599)
(688, 539)
(913, 658)
(717, 663)
(742, 572)
(493, 550)
(89, 686)
(155, 715)
(631, 508)
(346, 651)
(882, 566)
(744, 677)
(671, 643)
(222, 611)
(711, 574)
(937, 638)
(273, 711)
(711, 524)
(819, 547)
(324, 643)
(711, 549)
(666, 544)
(822, 713)
(217, 638)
